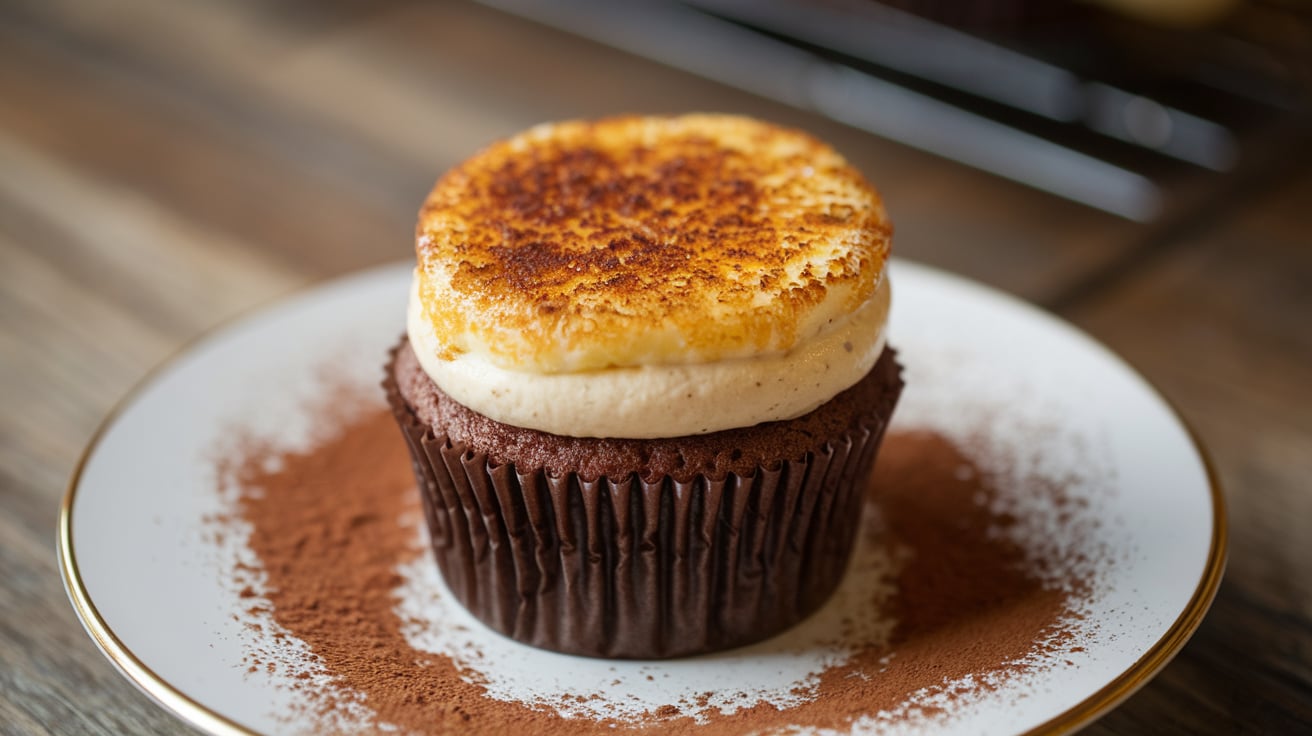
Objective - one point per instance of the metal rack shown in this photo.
(1114, 114)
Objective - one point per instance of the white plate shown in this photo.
(145, 580)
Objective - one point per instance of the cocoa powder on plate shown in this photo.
(332, 524)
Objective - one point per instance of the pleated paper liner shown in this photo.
(640, 568)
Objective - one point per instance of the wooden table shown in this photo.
(164, 166)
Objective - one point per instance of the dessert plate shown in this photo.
(151, 581)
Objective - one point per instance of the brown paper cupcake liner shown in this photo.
(639, 568)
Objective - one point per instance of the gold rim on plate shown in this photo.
(174, 700)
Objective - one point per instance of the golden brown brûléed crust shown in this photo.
(632, 241)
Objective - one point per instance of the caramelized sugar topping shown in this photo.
(629, 241)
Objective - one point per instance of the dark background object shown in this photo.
(1128, 116)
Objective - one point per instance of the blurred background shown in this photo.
(1142, 168)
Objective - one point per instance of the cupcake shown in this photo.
(644, 380)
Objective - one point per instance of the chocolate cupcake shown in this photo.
(644, 380)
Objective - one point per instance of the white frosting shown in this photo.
(661, 400)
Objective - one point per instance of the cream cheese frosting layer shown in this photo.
(634, 242)
(663, 400)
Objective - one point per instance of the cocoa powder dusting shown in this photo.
(332, 525)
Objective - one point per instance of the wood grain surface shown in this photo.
(165, 165)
